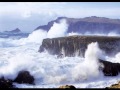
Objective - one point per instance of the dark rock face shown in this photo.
(110, 69)
(91, 24)
(67, 87)
(76, 45)
(24, 77)
(6, 83)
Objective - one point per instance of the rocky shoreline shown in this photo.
(23, 77)
(117, 85)
(70, 45)
(114, 86)
(76, 45)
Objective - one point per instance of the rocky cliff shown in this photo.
(91, 24)
(76, 45)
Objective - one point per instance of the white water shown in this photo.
(48, 70)
(51, 72)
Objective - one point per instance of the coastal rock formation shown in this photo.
(91, 24)
(6, 83)
(76, 45)
(24, 77)
(109, 68)
(67, 87)
(114, 86)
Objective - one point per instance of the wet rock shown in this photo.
(67, 87)
(115, 85)
(110, 69)
(24, 77)
(60, 56)
(76, 45)
(6, 83)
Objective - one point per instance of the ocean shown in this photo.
(18, 54)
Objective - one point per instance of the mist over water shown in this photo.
(58, 29)
(89, 68)
(95, 34)
(22, 54)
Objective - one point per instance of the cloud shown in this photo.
(27, 7)
(24, 14)
(71, 9)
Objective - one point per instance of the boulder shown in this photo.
(114, 86)
(24, 77)
(67, 87)
(6, 83)
(110, 69)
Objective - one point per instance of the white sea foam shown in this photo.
(58, 29)
(94, 33)
(48, 70)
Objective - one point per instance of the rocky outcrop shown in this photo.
(109, 68)
(67, 87)
(76, 45)
(114, 86)
(6, 83)
(91, 24)
(24, 77)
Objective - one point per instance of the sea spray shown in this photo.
(47, 69)
(115, 59)
(93, 34)
(35, 37)
(58, 29)
(89, 68)
(15, 64)
(83, 70)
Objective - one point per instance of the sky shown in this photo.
(27, 16)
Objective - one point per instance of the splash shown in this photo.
(89, 68)
(58, 29)
(37, 36)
